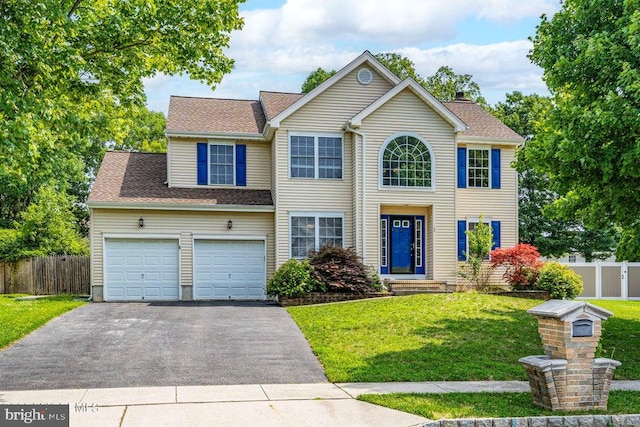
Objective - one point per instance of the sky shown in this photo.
(282, 41)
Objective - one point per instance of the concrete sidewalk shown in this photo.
(322, 404)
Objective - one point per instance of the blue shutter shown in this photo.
(241, 165)
(495, 168)
(495, 231)
(462, 240)
(462, 167)
(202, 164)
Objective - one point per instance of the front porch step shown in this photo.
(412, 287)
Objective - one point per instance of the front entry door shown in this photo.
(402, 244)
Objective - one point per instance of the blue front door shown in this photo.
(401, 244)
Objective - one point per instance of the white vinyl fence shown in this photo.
(609, 280)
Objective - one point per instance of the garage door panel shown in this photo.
(229, 269)
(141, 270)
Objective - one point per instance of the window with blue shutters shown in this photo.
(463, 226)
(221, 164)
(478, 168)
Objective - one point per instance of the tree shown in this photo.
(46, 227)
(72, 73)
(315, 79)
(541, 224)
(588, 141)
(475, 270)
(443, 84)
(522, 264)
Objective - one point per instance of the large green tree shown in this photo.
(589, 141)
(444, 84)
(539, 223)
(71, 74)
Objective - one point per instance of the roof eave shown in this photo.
(215, 135)
(489, 139)
(179, 206)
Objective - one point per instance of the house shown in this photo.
(365, 160)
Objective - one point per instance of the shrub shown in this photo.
(339, 269)
(293, 278)
(522, 263)
(560, 281)
(475, 270)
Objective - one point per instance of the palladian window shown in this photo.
(407, 162)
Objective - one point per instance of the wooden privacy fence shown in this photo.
(63, 274)
(609, 280)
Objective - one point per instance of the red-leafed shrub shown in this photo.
(338, 269)
(522, 263)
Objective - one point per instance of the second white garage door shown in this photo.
(229, 269)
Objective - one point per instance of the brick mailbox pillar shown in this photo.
(569, 377)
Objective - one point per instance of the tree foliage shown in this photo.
(444, 84)
(560, 281)
(588, 142)
(541, 223)
(475, 269)
(72, 75)
(46, 227)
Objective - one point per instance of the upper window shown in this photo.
(311, 232)
(221, 164)
(478, 175)
(318, 157)
(407, 162)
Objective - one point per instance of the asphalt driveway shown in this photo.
(162, 344)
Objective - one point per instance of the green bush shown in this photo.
(293, 278)
(560, 281)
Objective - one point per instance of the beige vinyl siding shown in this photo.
(183, 166)
(327, 113)
(407, 113)
(185, 224)
(495, 204)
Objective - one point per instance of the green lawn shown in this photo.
(438, 337)
(19, 318)
(490, 405)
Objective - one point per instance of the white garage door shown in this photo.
(141, 270)
(229, 269)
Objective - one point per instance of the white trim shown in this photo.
(233, 171)
(141, 236)
(462, 139)
(316, 157)
(417, 260)
(365, 57)
(383, 147)
(384, 247)
(216, 135)
(317, 215)
(181, 207)
(228, 237)
(420, 92)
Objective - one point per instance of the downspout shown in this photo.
(348, 128)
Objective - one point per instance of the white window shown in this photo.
(418, 243)
(313, 231)
(383, 242)
(318, 157)
(406, 162)
(221, 164)
(478, 168)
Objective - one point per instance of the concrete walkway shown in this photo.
(321, 404)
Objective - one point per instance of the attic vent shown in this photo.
(364, 76)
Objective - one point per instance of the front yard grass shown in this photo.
(445, 337)
(490, 405)
(19, 317)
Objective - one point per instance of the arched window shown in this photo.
(407, 162)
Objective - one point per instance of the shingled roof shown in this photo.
(480, 123)
(275, 103)
(188, 114)
(139, 178)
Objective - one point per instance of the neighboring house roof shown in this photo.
(480, 123)
(139, 178)
(276, 102)
(212, 115)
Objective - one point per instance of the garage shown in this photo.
(141, 270)
(229, 270)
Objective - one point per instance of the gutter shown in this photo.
(348, 128)
(181, 207)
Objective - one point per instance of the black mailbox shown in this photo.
(582, 328)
